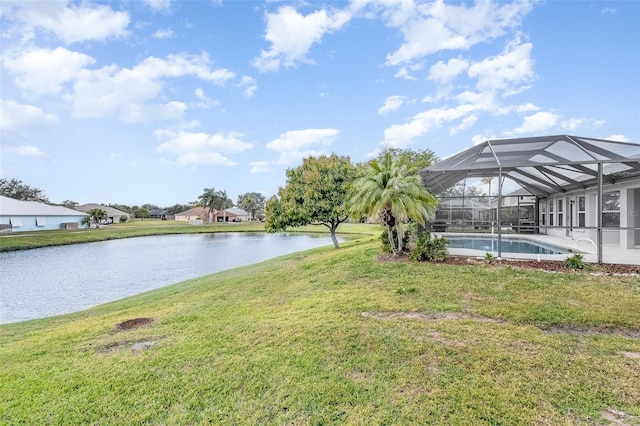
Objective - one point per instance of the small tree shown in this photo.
(141, 213)
(252, 202)
(97, 216)
(315, 194)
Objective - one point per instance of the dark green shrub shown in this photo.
(431, 250)
(386, 246)
(576, 262)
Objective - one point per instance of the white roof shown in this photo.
(13, 207)
(109, 210)
(236, 211)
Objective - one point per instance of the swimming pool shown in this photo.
(508, 245)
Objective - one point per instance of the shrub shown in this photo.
(124, 219)
(576, 262)
(428, 249)
(489, 258)
(386, 246)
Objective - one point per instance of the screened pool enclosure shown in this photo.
(567, 187)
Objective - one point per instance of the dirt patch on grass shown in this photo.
(450, 316)
(134, 323)
(591, 331)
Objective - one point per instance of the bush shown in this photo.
(431, 250)
(124, 219)
(386, 246)
(576, 262)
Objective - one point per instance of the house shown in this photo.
(113, 215)
(238, 214)
(195, 213)
(582, 188)
(162, 214)
(18, 215)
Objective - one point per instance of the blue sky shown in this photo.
(151, 101)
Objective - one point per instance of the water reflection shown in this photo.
(55, 280)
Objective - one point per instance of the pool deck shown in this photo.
(610, 253)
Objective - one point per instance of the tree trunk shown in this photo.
(392, 242)
(333, 235)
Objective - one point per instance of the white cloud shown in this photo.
(159, 5)
(18, 120)
(27, 151)
(129, 92)
(392, 103)
(291, 145)
(536, 123)
(249, 86)
(509, 72)
(443, 73)
(259, 166)
(572, 124)
(618, 138)
(201, 148)
(404, 74)
(71, 23)
(436, 26)
(292, 34)
(608, 11)
(164, 34)
(43, 71)
(529, 107)
(205, 101)
(483, 137)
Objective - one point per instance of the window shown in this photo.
(16, 221)
(582, 212)
(560, 212)
(611, 209)
(41, 221)
(543, 212)
(551, 203)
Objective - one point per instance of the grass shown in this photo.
(137, 228)
(337, 337)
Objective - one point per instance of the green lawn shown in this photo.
(338, 337)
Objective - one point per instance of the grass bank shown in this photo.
(338, 337)
(139, 228)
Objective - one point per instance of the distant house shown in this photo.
(113, 215)
(238, 214)
(17, 215)
(162, 214)
(195, 213)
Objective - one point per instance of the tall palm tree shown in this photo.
(388, 191)
(487, 181)
(208, 200)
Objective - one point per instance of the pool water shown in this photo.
(508, 245)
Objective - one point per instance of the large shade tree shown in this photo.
(315, 193)
(390, 190)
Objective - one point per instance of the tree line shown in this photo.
(252, 202)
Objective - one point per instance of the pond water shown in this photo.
(50, 281)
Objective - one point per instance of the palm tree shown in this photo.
(97, 215)
(487, 181)
(215, 200)
(388, 191)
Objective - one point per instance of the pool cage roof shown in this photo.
(542, 165)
